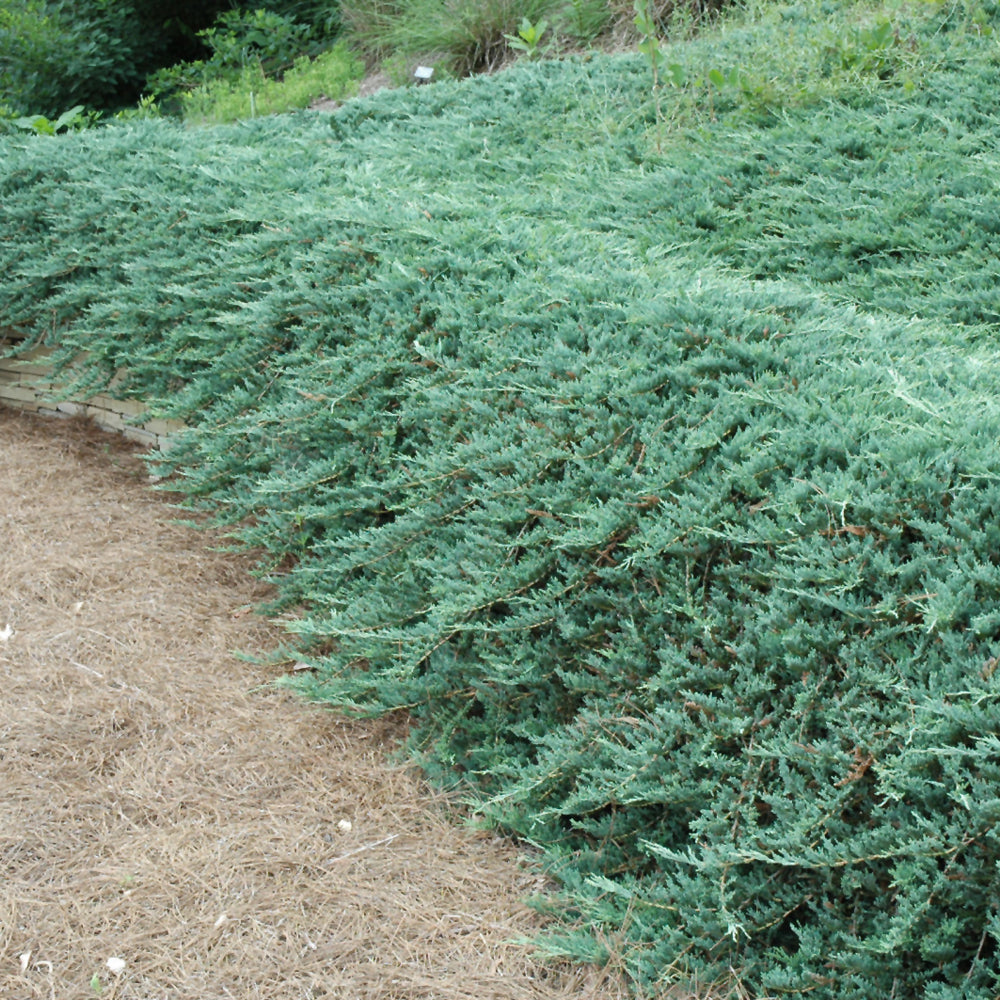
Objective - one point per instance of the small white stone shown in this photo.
(344, 826)
(116, 965)
(25, 959)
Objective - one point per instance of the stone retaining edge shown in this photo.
(26, 384)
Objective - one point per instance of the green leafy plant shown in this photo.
(321, 16)
(240, 37)
(722, 81)
(145, 108)
(39, 124)
(868, 50)
(528, 38)
(166, 85)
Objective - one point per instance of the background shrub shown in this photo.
(246, 49)
(322, 16)
(99, 53)
(54, 55)
(332, 74)
(239, 38)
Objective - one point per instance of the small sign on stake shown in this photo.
(423, 74)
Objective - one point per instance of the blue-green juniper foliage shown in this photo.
(662, 489)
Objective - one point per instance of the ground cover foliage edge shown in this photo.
(689, 569)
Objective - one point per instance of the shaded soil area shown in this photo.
(162, 805)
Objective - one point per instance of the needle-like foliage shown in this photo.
(663, 490)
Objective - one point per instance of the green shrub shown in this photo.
(57, 54)
(241, 38)
(168, 85)
(99, 53)
(332, 75)
(660, 490)
(250, 53)
(322, 16)
(40, 125)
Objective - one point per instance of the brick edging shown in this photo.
(26, 384)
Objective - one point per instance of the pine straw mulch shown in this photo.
(159, 804)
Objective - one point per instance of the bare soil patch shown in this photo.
(161, 805)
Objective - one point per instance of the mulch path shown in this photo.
(162, 805)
